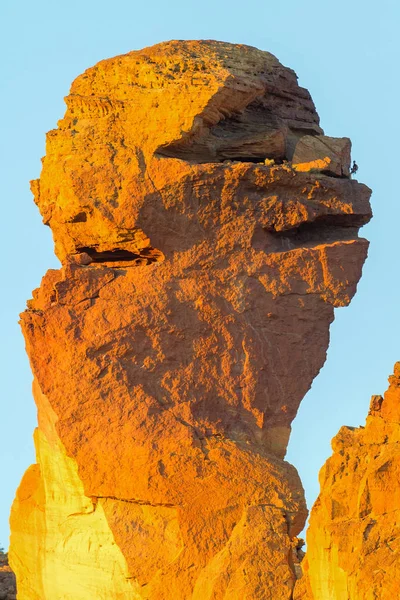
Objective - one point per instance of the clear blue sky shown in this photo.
(345, 52)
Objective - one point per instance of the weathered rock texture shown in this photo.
(353, 539)
(191, 314)
(7, 579)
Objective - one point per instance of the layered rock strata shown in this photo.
(353, 541)
(201, 266)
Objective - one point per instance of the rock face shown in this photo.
(7, 580)
(332, 155)
(354, 534)
(172, 349)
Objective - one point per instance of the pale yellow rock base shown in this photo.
(62, 547)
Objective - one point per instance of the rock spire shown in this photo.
(207, 229)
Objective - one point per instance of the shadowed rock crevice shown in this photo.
(137, 501)
(117, 256)
(253, 135)
(323, 230)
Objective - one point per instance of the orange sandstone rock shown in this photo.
(191, 314)
(330, 155)
(353, 541)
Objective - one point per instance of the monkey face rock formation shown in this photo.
(207, 228)
(354, 533)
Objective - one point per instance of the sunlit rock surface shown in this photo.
(64, 541)
(353, 541)
(200, 270)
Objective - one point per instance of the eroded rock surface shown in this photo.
(7, 579)
(172, 349)
(353, 541)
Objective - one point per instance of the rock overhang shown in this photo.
(180, 121)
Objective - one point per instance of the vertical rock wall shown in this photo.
(353, 541)
(206, 228)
